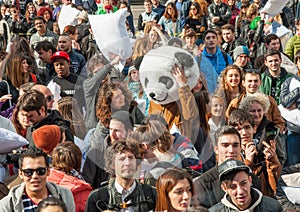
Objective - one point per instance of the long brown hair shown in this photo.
(200, 13)
(103, 106)
(224, 89)
(166, 183)
(12, 70)
(174, 15)
(69, 109)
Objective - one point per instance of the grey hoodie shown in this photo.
(13, 201)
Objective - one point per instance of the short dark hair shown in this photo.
(32, 100)
(51, 201)
(33, 152)
(39, 18)
(239, 116)
(45, 45)
(251, 71)
(269, 38)
(209, 31)
(226, 130)
(228, 27)
(120, 147)
(272, 52)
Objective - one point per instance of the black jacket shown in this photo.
(143, 198)
(223, 11)
(94, 166)
(53, 118)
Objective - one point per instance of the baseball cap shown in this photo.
(231, 166)
(60, 54)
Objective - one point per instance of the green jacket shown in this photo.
(266, 85)
(292, 46)
(101, 10)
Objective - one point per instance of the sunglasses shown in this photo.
(29, 172)
(49, 98)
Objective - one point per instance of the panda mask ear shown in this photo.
(185, 60)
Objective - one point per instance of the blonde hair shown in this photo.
(257, 97)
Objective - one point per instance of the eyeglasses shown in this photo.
(29, 172)
(49, 98)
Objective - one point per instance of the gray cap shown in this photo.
(231, 166)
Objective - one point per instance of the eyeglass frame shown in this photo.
(41, 171)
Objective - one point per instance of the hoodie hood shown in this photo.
(256, 200)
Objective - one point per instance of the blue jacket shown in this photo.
(217, 60)
(209, 72)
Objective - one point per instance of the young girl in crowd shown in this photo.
(190, 42)
(217, 114)
(174, 191)
(230, 85)
(138, 94)
(169, 21)
(197, 21)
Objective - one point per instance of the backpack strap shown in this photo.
(225, 56)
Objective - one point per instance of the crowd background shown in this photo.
(60, 93)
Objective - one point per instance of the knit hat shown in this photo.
(47, 137)
(123, 117)
(131, 68)
(240, 50)
(231, 166)
(83, 15)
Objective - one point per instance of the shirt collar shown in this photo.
(120, 188)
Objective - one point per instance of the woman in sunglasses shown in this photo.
(169, 21)
(197, 21)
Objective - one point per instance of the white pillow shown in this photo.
(67, 16)
(111, 34)
(10, 141)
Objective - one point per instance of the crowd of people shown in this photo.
(99, 139)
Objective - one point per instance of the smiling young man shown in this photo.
(252, 81)
(274, 76)
(33, 170)
(240, 195)
(124, 193)
(207, 186)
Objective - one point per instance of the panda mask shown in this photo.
(156, 73)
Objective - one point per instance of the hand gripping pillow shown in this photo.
(156, 73)
(111, 34)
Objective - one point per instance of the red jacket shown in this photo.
(79, 188)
